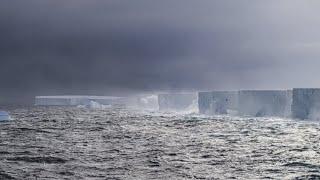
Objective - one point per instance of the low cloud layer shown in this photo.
(118, 47)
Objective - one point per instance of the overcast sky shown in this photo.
(119, 46)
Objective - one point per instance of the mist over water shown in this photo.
(81, 143)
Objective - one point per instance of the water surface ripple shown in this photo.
(74, 143)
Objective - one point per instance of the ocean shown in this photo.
(79, 143)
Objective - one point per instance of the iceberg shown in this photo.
(204, 102)
(176, 102)
(218, 102)
(77, 100)
(145, 102)
(96, 105)
(261, 103)
(288, 105)
(306, 103)
(148, 102)
(225, 102)
(4, 116)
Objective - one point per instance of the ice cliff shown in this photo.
(306, 103)
(218, 102)
(261, 103)
(176, 102)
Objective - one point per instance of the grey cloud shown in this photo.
(118, 47)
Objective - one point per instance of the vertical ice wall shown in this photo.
(261, 103)
(205, 102)
(52, 101)
(224, 102)
(306, 103)
(287, 111)
(144, 102)
(218, 102)
(77, 100)
(176, 102)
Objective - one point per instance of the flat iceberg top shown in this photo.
(306, 89)
(74, 96)
(262, 91)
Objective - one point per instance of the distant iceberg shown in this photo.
(144, 102)
(218, 102)
(306, 103)
(4, 116)
(96, 105)
(260, 103)
(204, 102)
(177, 102)
(77, 100)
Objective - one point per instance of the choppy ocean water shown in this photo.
(75, 143)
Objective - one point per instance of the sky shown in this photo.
(118, 47)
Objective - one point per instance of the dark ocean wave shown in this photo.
(75, 143)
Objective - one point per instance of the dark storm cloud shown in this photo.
(102, 47)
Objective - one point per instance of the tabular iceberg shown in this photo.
(176, 102)
(204, 102)
(76, 100)
(306, 103)
(261, 103)
(218, 102)
(224, 102)
(146, 102)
